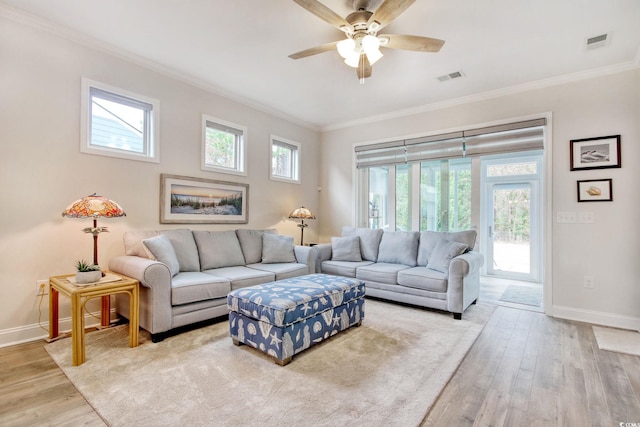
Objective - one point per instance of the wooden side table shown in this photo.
(79, 295)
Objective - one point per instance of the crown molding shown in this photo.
(38, 23)
(511, 90)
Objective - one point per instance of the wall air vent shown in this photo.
(451, 76)
(597, 41)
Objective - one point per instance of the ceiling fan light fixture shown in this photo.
(353, 59)
(346, 47)
(371, 46)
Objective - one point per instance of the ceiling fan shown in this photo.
(361, 47)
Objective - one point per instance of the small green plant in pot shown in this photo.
(87, 273)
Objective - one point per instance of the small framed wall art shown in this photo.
(595, 190)
(595, 153)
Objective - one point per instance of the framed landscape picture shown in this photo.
(186, 200)
(595, 190)
(595, 153)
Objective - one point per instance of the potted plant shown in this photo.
(87, 273)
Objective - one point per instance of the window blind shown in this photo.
(386, 153)
(444, 146)
(514, 137)
(224, 128)
(114, 97)
(285, 145)
(511, 137)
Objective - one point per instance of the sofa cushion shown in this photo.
(185, 246)
(251, 244)
(218, 249)
(163, 251)
(276, 248)
(346, 248)
(380, 272)
(133, 243)
(282, 270)
(429, 240)
(399, 247)
(343, 268)
(188, 287)
(241, 276)
(443, 253)
(369, 241)
(423, 278)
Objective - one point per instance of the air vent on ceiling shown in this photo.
(596, 41)
(451, 76)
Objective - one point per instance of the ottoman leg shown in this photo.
(284, 362)
(236, 342)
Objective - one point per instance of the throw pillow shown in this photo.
(162, 249)
(251, 244)
(399, 247)
(185, 247)
(443, 253)
(429, 240)
(276, 248)
(345, 248)
(133, 243)
(218, 249)
(369, 240)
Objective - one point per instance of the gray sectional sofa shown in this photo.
(431, 269)
(185, 275)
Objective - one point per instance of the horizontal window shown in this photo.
(223, 146)
(118, 123)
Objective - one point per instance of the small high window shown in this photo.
(118, 123)
(285, 159)
(223, 146)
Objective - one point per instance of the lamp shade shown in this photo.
(93, 206)
(301, 213)
(346, 47)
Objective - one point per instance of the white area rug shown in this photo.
(387, 372)
(618, 340)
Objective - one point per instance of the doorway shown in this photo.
(511, 215)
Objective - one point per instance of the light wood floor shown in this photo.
(525, 369)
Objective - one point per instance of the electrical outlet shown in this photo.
(42, 287)
(588, 282)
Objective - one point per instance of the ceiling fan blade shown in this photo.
(364, 68)
(314, 50)
(388, 11)
(417, 43)
(324, 13)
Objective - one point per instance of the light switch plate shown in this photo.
(566, 217)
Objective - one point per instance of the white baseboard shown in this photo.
(596, 317)
(34, 332)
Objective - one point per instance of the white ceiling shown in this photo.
(240, 48)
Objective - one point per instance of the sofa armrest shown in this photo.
(155, 293)
(324, 254)
(307, 255)
(466, 263)
(464, 281)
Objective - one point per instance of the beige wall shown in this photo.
(607, 250)
(42, 169)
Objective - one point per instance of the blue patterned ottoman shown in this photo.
(284, 317)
